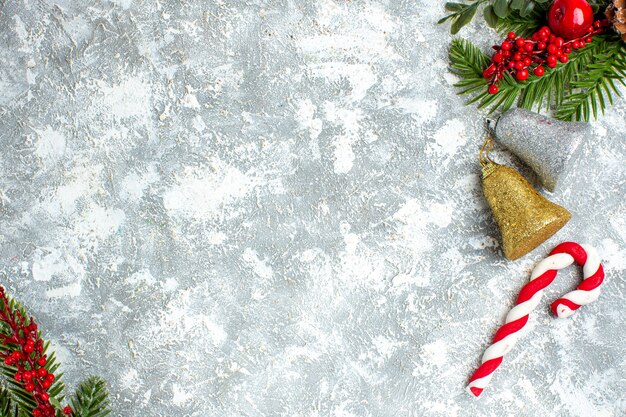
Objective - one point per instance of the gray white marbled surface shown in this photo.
(273, 208)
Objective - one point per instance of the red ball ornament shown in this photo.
(570, 18)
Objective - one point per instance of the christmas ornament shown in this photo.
(525, 218)
(570, 19)
(550, 147)
(616, 15)
(31, 385)
(544, 273)
(555, 56)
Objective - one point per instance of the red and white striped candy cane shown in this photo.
(543, 274)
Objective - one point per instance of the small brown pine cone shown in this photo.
(616, 14)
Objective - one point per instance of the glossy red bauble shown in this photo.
(570, 19)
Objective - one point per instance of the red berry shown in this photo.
(511, 65)
(42, 372)
(506, 54)
(46, 384)
(36, 412)
(582, 43)
(511, 35)
(498, 57)
(18, 377)
(50, 377)
(16, 355)
(8, 361)
(588, 39)
(29, 386)
(519, 65)
(527, 61)
(521, 75)
(551, 59)
(558, 42)
(570, 18)
(517, 57)
(45, 396)
(42, 361)
(68, 410)
(27, 375)
(564, 58)
(597, 24)
(519, 42)
(493, 89)
(541, 46)
(505, 46)
(567, 49)
(528, 47)
(539, 71)
(551, 64)
(552, 48)
(575, 44)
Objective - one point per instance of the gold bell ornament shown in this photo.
(525, 218)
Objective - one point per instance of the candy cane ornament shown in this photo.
(544, 273)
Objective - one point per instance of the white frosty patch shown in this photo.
(130, 380)
(360, 76)
(99, 223)
(134, 184)
(72, 290)
(50, 263)
(424, 110)
(46, 266)
(125, 4)
(613, 255)
(260, 267)
(180, 396)
(202, 194)
(435, 353)
(305, 116)
(141, 277)
(449, 138)
(349, 120)
(216, 238)
(130, 98)
(414, 217)
(50, 147)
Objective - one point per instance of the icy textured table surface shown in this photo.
(273, 208)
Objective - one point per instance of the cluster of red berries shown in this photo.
(518, 56)
(27, 357)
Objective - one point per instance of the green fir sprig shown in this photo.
(90, 398)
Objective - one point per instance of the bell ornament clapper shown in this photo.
(525, 218)
(549, 147)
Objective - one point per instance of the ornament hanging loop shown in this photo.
(486, 162)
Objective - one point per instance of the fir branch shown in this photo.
(7, 407)
(30, 385)
(595, 84)
(577, 89)
(91, 399)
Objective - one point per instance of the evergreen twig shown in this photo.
(91, 398)
(578, 89)
(17, 329)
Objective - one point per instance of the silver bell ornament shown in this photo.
(549, 147)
